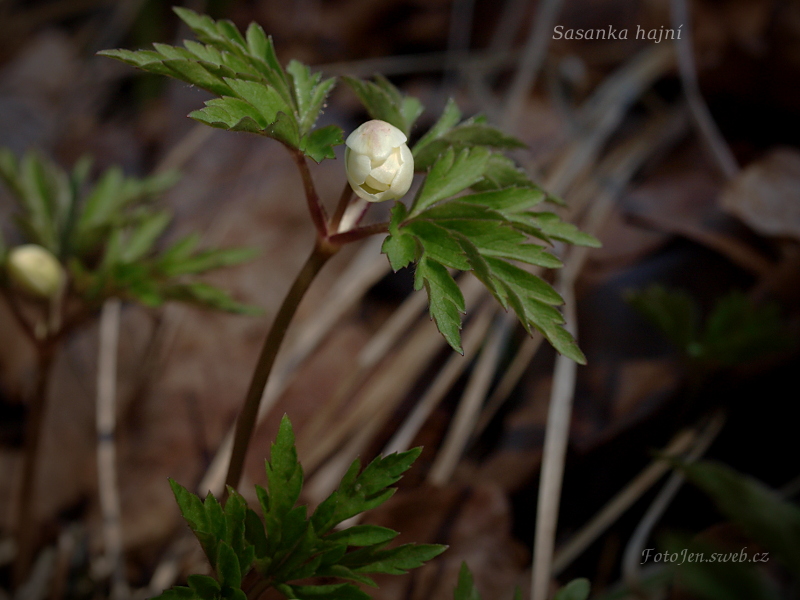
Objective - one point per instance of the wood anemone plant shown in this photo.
(86, 243)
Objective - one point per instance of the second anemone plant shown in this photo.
(474, 210)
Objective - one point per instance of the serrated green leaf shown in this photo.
(284, 473)
(501, 172)
(451, 115)
(178, 593)
(552, 225)
(755, 508)
(445, 300)
(400, 249)
(255, 534)
(439, 244)
(337, 591)
(309, 93)
(399, 560)
(204, 586)
(577, 589)
(227, 566)
(318, 145)
(208, 296)
(481, 134)
(450, 174)
(507, 201)
(195, 512)
(265, 99)
(180, 259)
(674, 312)
(358, 493)
(465, 589)
(143, 238)
(363, 535)
(383, 101)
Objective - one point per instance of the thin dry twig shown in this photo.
(631, 558)
(621, 502)
(468, 411)
(533, 56)
(688, 72)
(554, 455)
(106, 415)
(447, 376)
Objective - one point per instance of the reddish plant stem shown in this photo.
(318, 214)
(358, 233)
(246, 422)
(26, 531)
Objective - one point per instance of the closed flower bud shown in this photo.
(378, 163)
(35, 271)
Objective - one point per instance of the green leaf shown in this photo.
(451, 115)
(383, 101)
(204, 586)
(674, 312)
(143, 238)
(738, 331)
(309, 92)
(450, 174)
(180, 259)
(337, 591)
(227, 566)
(284, 473)
(445, 300)
(361, 492)
(207, 525)
(207, 296)
(255, 534)
(318, 145)
(401, 249)
(363, 535)
(756, 509)
(501, 172)
(708, 573)
(179, 593)
(577, 589)
(466, 590)
(399, 560)
(471, 133)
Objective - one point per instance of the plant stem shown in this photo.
(247, 419)
(341, 207)
(358, 233)
(26, 501)
(318, 214)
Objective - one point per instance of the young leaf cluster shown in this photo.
(105, 234)
(288, 547)
(735, 332)
(254, 92)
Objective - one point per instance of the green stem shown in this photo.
(26, 533)
(247, 419)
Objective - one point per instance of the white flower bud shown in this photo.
(35, 271)
(378, 163)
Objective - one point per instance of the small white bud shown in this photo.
(378, 163)
(35, 271)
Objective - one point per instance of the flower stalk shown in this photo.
(246, 422)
